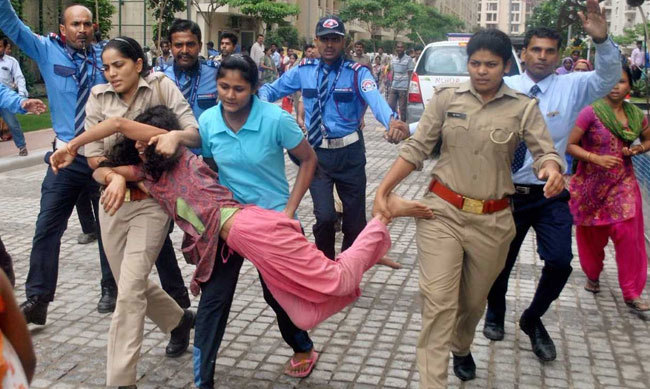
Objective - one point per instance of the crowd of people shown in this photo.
(200, 144)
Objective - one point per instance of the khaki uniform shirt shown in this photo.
(478, 139)
(153, 89)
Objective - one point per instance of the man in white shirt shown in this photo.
(12, 77)
(257, 50)
(638, 60)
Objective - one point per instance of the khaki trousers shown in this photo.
(460, 255)
(132, 240)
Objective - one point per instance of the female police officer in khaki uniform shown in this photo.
(462, 249)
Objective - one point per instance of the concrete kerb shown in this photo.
(34, 157)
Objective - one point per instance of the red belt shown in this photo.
(468, 204)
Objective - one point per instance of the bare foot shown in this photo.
(399, 206)
(389, 262)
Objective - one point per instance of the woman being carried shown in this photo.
(308, 285)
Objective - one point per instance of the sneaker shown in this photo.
(22, 152)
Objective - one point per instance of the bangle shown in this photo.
(642, 147)
(67, 150)
(107, 175)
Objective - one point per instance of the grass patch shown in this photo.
(36, 122)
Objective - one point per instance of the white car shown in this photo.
(441, 63)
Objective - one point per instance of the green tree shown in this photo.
(102, 11)
(558, 15)
(429, 25)
(268, 11)
(284, 34)
(163, 12)
(369, 12)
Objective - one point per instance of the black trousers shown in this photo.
(552, 222)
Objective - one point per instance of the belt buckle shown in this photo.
(472, 205)
(336, 143)
(522, 190)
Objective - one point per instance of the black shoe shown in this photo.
(493, 331)
(183, 299)
(180, 340)
(106, 303)
(86, 238)
(34, 310)
(464, 367)
(540, 341)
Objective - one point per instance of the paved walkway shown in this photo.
(370, 344)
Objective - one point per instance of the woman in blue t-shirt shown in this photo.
(246, 138)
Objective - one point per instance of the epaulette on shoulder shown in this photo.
(356, 66)
(306, 61)
(56, 38)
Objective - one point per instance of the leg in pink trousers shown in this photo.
(631, 258)
(591, 249)
(308, 285)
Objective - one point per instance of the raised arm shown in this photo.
(33, 45)
(596, 84)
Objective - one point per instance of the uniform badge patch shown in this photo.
(368, 85)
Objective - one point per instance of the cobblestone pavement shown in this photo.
(370, 344)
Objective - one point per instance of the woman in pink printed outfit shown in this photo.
(605, 197)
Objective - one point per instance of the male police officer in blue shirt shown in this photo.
(70, 66)
(196, 79)
(335, 93)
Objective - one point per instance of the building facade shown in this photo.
(465, 10)
(509, 16)
(621, 16)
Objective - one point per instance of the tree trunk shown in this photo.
(163, 5)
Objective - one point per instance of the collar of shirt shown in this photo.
(189, 73)
(142, 83)
(504, 90)
(527, 82)
(333, 66)
(253, 123)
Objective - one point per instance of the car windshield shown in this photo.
(449, 61)
(443, 60)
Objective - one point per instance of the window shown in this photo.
(491, 17)
(514, 18)
(514, 7)
(492, 6)
(514, 28)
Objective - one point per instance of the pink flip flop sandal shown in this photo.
(310, 362)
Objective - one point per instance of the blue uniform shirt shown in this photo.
(251, 161)
(204, 95)
(561, 98)
(10, 100)
(346, 104)
(58, 69)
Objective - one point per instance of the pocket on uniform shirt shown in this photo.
(455, 132)
(309, 93)
(343, 97)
